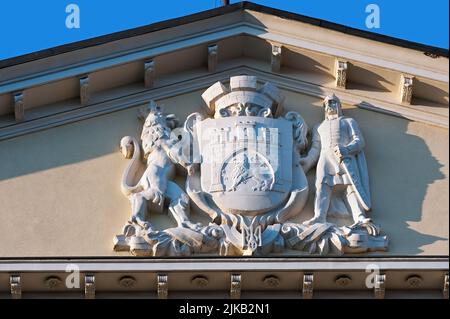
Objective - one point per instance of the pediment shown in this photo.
(71, 125)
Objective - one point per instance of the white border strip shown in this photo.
(214, 265)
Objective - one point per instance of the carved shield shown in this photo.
(246, 162)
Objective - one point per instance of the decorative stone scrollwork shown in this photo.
(19, 106)
(162, 286)
(85, 94)
(343, 280)
(89, 286)
(445, 288)
(414, 281)
(271, 281)
(380, 286)
(53, 282)
(15, 286)
(149, 74)
(275, 62)
(235, 288)
(200, 281)
(245, 164)
(341, 73)
(127, 282)
(308, 286)
(213, 51)
(406, 89)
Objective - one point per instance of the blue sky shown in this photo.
(28, 26)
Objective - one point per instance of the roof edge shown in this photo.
(240, 6)
(429, 49)
(128, 33)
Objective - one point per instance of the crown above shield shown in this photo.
(244, 90)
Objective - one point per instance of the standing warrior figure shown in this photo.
(337, 148)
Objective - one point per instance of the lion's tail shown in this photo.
(129, 146)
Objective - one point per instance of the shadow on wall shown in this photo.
(77, 142)
(66, 145)
(300, 61)
(430, 93)
(401, 169)
(370, 80)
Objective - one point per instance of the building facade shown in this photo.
(238, 152)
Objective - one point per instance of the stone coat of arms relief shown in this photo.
(245, 167)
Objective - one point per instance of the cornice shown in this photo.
(200, 82)
(214, 35)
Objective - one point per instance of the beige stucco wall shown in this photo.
(60, 195)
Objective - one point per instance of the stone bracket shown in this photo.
(445, 288)
(341, 73)
(380, 286)
(16, 286)
(275, 61)
(406, 88)
(84, 90)
(162, 286)
(235, 288)
(213, 52)
(19, 106)
(149, 74)
(89, 286)
(308, 285)
(133, 100)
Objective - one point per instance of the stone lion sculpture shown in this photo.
(155, 187)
